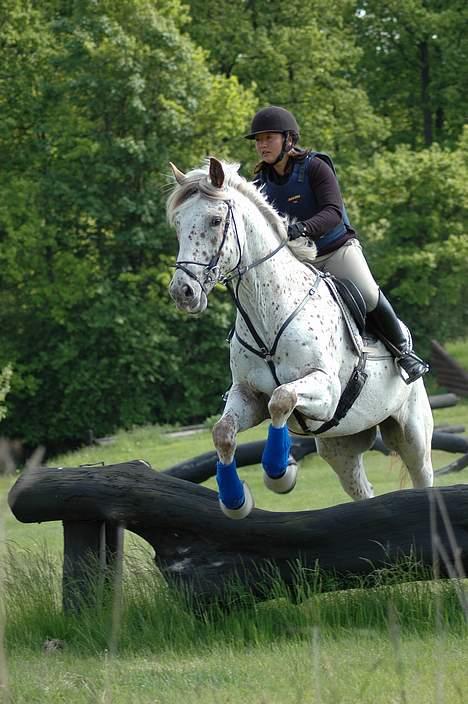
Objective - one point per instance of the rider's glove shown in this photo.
(297, 230)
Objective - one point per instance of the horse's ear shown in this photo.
(178, 175)
(216, 172)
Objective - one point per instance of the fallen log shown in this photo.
(449, 442)
(443, 400)
(203, 467)
(199, 549)
(456, 429)
(455, 466)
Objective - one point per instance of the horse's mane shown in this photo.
(198, 181)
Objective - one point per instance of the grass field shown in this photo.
(401, 643)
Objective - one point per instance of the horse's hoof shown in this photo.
(283, 484)
(243, 511)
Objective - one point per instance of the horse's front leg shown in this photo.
(317, 395)
(244, 409)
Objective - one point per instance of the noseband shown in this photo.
(211, 273)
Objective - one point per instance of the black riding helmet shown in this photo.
(273, 119)
(276, 119)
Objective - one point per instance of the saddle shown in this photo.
(353, 299)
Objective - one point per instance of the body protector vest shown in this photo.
(296, 199)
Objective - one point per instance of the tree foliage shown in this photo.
(97, 97)
(299, 55)
(412, 216)
(5, 377)
(110, 92)
(415, 66)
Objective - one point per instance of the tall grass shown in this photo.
(155, 618)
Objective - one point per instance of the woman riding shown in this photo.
(302, 185)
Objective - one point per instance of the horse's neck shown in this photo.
(269, 291)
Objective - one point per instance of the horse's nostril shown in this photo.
(187, 291)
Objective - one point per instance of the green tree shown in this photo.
(95, 99)
(302, 56)
(5, 377)
(412, 215)
(415, 66)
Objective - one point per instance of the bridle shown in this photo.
(211, 273)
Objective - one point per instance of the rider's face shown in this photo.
(269, 145)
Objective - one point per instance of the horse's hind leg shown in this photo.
(410, 434)
(344, 454)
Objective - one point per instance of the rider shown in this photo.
(302, 185)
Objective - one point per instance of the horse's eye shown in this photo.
(216, 220)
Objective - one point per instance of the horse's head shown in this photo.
(209, 245)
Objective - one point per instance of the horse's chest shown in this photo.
(261, 379)
(288, 365)
(313, 339)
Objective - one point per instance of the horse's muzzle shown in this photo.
(187, 294)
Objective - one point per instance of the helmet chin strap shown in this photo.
(284, 150)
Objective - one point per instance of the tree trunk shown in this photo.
(425, 92)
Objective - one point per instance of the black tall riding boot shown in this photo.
(386, 326)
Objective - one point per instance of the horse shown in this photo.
(295, 353)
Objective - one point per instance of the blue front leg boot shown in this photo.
(235, 498)
(280, 467)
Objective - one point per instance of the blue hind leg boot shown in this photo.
(231, 489)
(276, 453)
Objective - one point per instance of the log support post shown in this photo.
(92, 562)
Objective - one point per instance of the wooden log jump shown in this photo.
(198, 548)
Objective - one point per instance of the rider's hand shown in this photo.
(296, 230)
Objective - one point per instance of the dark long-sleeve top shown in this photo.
(327, 192)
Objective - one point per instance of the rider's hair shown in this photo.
(294, 137)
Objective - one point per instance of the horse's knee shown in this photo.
(224, 438)
(282, 404)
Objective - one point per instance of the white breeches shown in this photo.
(348, 262)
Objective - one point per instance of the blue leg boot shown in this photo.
(235, 498)
(280, 468)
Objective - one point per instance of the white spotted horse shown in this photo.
(296, 354)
